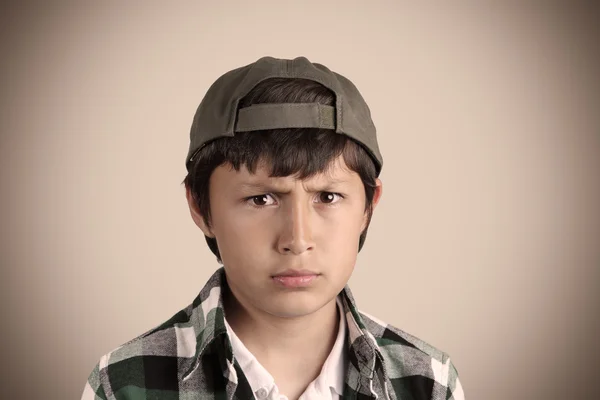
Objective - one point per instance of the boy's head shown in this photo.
(282, 175)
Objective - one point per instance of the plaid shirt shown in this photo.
(190, 357)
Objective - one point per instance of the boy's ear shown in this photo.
(196, 216)
(378, 192)
(376, 197)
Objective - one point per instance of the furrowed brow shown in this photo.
(329, 184)
(264, 187)
(260, 187)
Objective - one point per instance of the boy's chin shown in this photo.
(293, 309)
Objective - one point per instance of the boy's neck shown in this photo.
(274, 341)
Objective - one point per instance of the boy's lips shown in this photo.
(296, 272)
(291, 278)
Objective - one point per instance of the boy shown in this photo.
(283, 170)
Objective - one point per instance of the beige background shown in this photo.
(487, 240)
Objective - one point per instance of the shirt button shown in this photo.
(262, 393)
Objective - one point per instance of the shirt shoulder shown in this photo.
(173, 338)
(160, 362)
(411, 362)
(395, 338)
(152, 360)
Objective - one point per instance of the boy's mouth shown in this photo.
(295, 278)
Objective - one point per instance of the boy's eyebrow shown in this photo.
(270, 187)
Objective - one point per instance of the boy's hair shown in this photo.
(302, 152)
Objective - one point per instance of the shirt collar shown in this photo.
(258, 377)
(332, 373)
(207, 318)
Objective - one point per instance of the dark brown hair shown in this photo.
(303, 152)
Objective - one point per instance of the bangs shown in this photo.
(302, 153)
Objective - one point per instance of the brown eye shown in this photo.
(327, 197)
(260, 200)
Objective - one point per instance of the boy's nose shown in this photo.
(296, 234)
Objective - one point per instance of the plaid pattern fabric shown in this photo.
(190, 357)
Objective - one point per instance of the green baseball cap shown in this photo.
(218, 114)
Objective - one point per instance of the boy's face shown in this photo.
(269, 229)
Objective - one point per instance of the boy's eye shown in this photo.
(261, 200)
(328, 197)
(266, 199)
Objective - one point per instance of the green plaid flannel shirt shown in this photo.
(190, 357)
